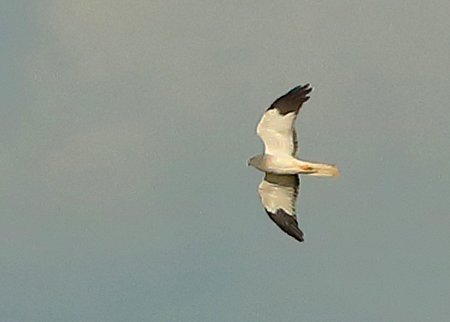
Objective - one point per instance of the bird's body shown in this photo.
(280, 186)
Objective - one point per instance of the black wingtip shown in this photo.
(287, 223)
(292, 101)
(301, 88)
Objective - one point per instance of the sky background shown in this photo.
(125, 129)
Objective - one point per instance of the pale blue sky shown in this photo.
(125, 128)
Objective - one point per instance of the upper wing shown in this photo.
(278, 196)
(276, 127)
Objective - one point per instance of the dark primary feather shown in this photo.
(292, 101)
(287, 223)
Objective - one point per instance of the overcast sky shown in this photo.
(125, 129)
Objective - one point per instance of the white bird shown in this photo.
(280, 187)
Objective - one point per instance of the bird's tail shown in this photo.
(318, 169)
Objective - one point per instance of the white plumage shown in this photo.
(280, 186)
(277, 133)
(278, 195)
(279, 192)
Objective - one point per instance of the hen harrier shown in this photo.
(280, 186)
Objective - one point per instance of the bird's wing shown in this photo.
(278, 196)
(276, 127)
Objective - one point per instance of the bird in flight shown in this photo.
(279, 188)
